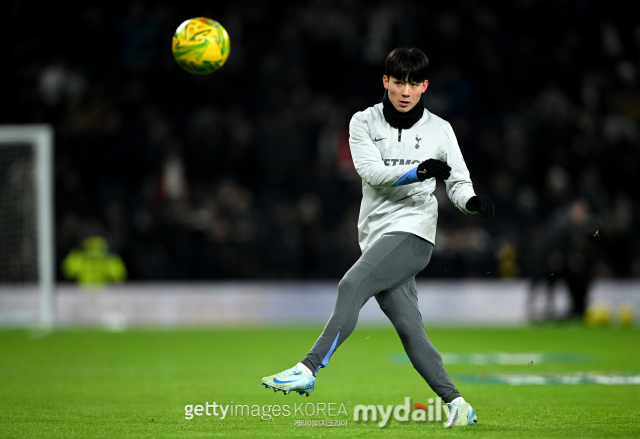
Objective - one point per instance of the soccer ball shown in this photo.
(201, 45)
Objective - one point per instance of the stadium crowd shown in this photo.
(246, 173)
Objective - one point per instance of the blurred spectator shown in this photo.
(565, 252)
(93, 265)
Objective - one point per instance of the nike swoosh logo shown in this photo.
(277, 381)
(377, 140)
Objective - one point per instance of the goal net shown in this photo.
(26, 225)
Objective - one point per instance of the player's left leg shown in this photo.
(400, 304)
(401, 307)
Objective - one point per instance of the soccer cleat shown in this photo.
(291, 380)
(460, 413)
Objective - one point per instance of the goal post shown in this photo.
(26, 156)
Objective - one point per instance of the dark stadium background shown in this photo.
(543, 97)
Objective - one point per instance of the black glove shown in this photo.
(433, 168)
(481, 205)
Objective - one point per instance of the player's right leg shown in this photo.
(297, 379)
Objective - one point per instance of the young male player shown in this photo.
(399, 148)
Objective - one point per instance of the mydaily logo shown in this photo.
(401, 413)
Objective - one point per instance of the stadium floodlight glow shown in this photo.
(34, 159)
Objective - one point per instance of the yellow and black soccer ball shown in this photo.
(201, 45)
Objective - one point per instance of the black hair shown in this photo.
(404, 63)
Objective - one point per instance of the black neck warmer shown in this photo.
(396, 118)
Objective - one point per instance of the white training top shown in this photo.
(382, 155)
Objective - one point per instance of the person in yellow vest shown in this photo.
(93, 265)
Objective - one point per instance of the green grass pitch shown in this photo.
(135, 384)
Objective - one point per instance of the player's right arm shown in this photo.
(367, 158)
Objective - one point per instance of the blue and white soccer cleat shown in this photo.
(291, 380)
(460, 413)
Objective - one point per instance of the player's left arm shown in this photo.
(459, 186)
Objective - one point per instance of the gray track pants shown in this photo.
(387, 271)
